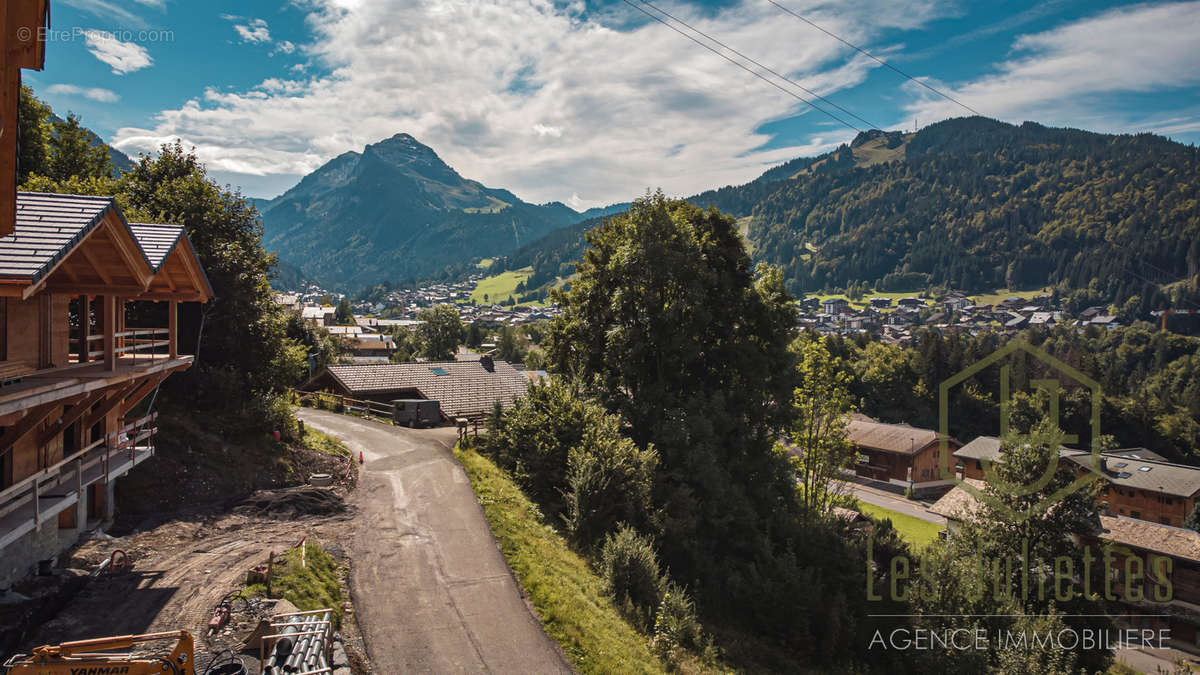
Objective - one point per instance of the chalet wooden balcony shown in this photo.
(42, 496)
(135, 353)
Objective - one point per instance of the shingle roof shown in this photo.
(1143, 474)
(983, 447)
(958, 504)
(1178, 542)
(156, 241)
(897, 438)
(464, 388)
(48, 226)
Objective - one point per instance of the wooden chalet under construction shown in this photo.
(73, 369)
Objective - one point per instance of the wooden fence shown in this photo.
(326, 400)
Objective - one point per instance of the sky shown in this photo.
(593, 102)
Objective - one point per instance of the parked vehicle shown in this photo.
(416, 412)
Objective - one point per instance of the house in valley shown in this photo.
(464, 388)
(899, 454)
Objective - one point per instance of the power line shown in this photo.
(769, 70)
(743, 67)
(876, 59)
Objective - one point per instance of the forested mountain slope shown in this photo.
(396, 211)
(971, 203)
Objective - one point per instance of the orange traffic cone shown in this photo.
(360, 457)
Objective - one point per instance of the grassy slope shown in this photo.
(570, 599)
(314, 585)
(500, 287)
(915, 531)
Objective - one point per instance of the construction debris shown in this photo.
(293, 503)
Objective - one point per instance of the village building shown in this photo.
(1137, 482)
(467, 389)
(1142, 487)
(904, 456)
(1155, 544)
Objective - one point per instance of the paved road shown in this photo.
(432, 591)
(893, 501)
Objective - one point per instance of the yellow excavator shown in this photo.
(84, 657)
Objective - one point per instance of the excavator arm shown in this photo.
(83, 657)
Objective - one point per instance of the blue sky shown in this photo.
(592, 102)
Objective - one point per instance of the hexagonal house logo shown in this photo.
(1050, 386)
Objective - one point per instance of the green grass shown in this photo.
(500, 287)
(324, 443)
(919, 533)
(484, 263)
(314, 585)
(570, 598)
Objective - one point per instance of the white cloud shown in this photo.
(123, 57)
(1059, 76)
(283, 47)
(255, 32)
(93, 93)
(481, 79)
(113, 13)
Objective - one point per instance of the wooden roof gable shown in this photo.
(177, 271)
(82, 244)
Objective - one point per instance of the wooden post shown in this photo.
(85, 328)
(109, 312)
(173, 328)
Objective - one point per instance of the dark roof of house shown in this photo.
(48, 226)
(898, 438)
(1177, 542)
(1136, 453)
(464, 388)
(983, 447)
(156, 241)
(1143, 474)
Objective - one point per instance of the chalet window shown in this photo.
(1135, 514)
(3, 329)
(979, 464)
(1165, 520)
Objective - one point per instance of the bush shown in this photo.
(532, 440)
(609, 481)
(630, 567)
(675, 623)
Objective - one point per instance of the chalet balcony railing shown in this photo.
(35, 499)
(133, 342)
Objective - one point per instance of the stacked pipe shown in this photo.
(304, 654)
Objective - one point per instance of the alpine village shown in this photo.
(915, 399)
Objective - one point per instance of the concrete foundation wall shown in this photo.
(20, 559)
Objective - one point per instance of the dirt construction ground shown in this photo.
(182, 569)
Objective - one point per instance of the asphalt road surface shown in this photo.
(432, 591)
(893, 501)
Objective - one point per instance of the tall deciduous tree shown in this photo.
(33, 134)
(244, 354)
(823, 406)
(441, 332)
(73, 154)
(667, 325)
